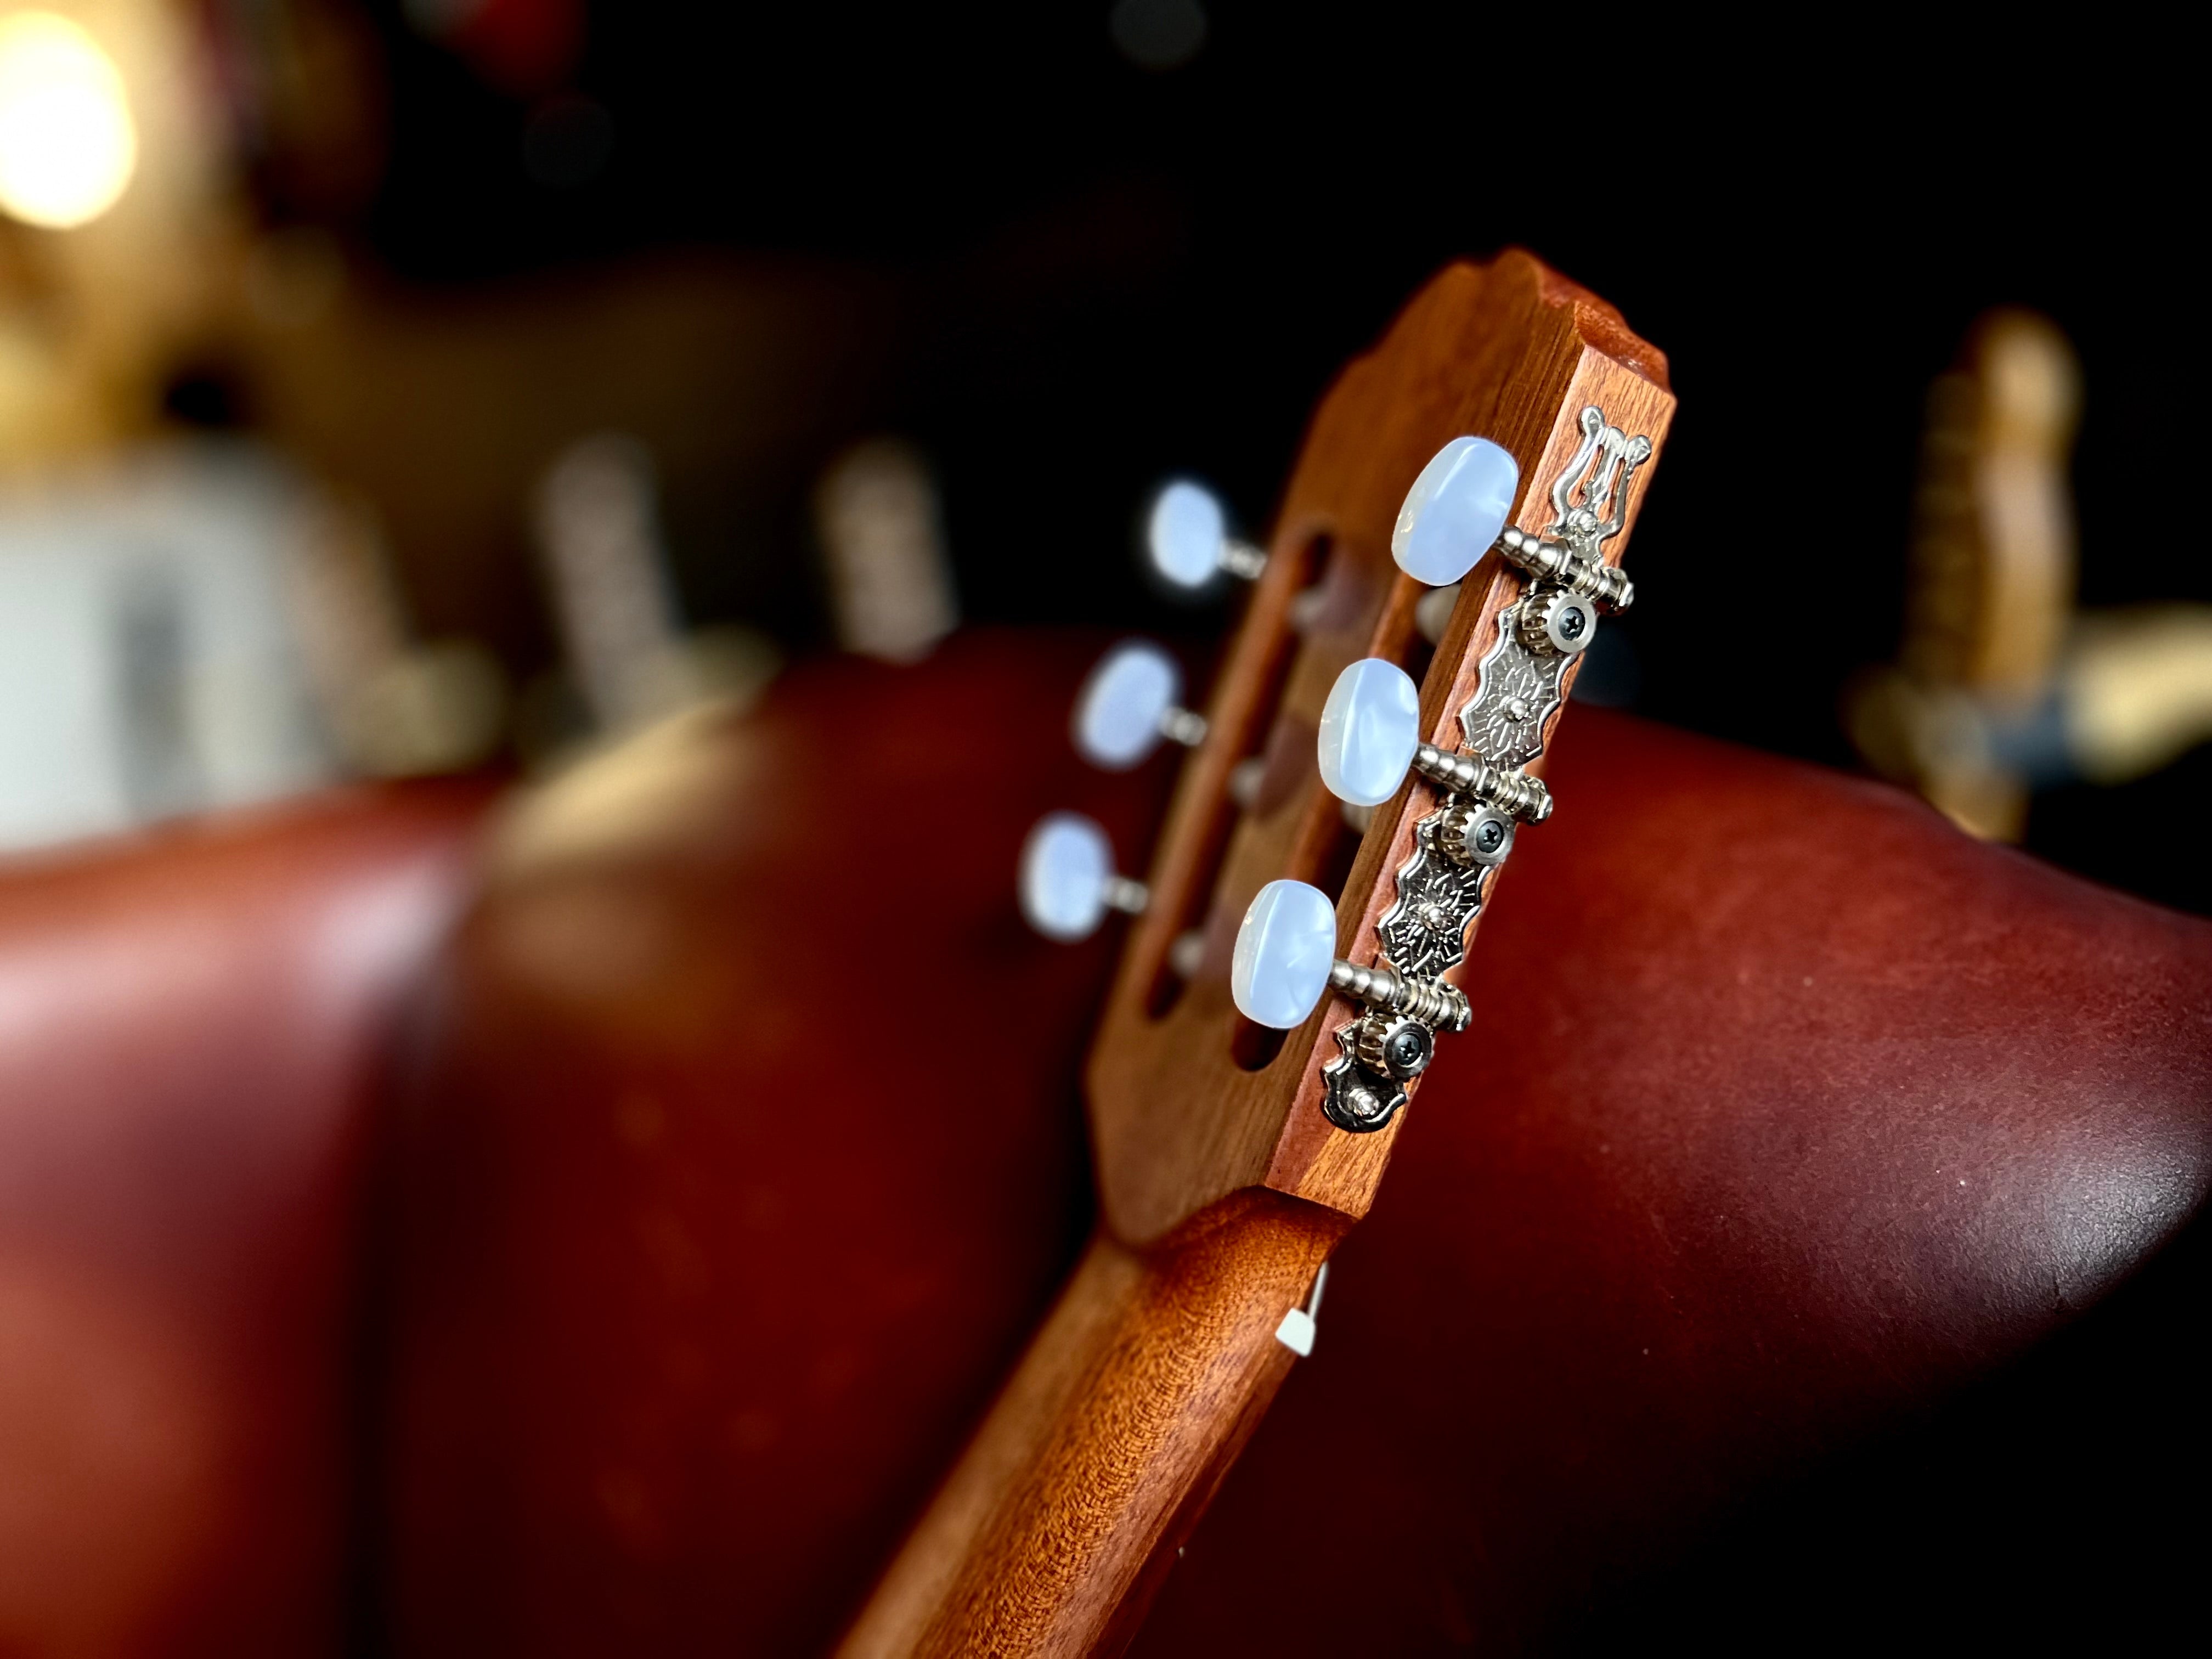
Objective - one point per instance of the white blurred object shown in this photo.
(891, 583)
(598, 529)
(1188, 542)
(395, 708)
(148, 661)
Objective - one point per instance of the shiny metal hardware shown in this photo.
(1388, 1046)
(1485, 788)
(1589, 507)
(1516, 792)
(1396, 1045)
(1559, 622)
(1244, 559)
(1468, 832)
(1431, 1001)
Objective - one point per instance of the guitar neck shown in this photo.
(1150, 1372)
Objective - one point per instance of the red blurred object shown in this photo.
(741, 1151)
(521, 48)
(191, 1023)
(715, 1255)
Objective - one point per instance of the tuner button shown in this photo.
(1068, 882)
(1129, 704)
(1283, 953)
(1187, 536)
(1455, 511)
(1185, 533)
(1370, 728)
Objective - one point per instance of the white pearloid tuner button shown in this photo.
(1068, 882)
(1455, 511)
(1187, 538)
(1129, 703)
(1285, 960)
(1370, 736)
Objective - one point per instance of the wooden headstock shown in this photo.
(1189, 1101)
(1224, 1182)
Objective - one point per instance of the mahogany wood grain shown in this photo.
(1135, 1397)
(1512, 351)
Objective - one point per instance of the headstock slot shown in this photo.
(1188, 1101)
(1244, 730)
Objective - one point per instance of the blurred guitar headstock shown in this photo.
(2002, 687)
(1374, 741)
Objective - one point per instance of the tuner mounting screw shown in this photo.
(1558, 622)
(1471, 833)
(1393, 1045)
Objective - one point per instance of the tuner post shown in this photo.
(1515, 793)
(1432, 1002)
(1605, 585)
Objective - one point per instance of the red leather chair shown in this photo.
(747, 1158)
(193, 1024)
(1804, 1157)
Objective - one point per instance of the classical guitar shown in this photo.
(1299, 951)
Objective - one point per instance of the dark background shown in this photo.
(1106, 272)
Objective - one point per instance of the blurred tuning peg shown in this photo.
(1286, 957)
(1370, 737)
(1187, 538)
(1455, 509)
(1129, 703)
(1068, 882)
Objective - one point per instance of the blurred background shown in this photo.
(402, 388)
(443, 388)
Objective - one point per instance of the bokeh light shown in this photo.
(68, 146)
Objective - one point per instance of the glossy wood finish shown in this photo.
(1129, 1407)
(1511, 351)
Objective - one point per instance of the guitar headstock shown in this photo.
(1302, 940)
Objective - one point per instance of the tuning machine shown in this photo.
(1068, 882)
(1187, 540)
(1285, 959)
(1370, 737)
(1131, 700)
